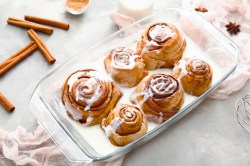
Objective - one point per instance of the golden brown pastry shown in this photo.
(161, 46)
(124, 124)
(89, 95)
(160, 96)
(125, 67)
(195, 75)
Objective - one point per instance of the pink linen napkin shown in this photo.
(220, 13)
(123, 21)
(23, 148)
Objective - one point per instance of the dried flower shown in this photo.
(201, 9)
(232, 28)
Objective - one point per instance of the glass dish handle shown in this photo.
(60, 138)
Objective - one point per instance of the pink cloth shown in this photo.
(38, 149)
(220, 12)
(123, 21)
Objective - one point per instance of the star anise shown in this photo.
(232, 28)
(201, 9)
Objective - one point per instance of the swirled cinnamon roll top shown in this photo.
(160, 96)
(161, 46)
(195, 75)
(89, 95)
(125, 66)
(124, 124)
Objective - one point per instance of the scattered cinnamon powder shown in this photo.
(201, 9)
(77, 4)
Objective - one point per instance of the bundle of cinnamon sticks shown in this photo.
(17, 57)
(33, 23)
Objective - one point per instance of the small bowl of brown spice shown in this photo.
(77, 6)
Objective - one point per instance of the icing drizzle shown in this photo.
(123, 58)
(157, 35)
(162, 86)
(113, 126)
(199, 67)
(75, 115)
(191, 66)
(158, 86)
(160, 33)
(88, 89)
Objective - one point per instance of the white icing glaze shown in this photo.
(160, 85)
(113, 126)
(93, 98)
(131, 112)
(145, 94)
(149, 44)
(89, 87)
(89, 119)
(160, 119)
(156, 33)
(73, 78)
(154, 118)
(92, 81)
(149, 93)
(181, 66)
(198, 65)
(161, 30)
(75, 115)
(126, 59)
(128, 114)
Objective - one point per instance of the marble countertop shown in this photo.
(206, 136)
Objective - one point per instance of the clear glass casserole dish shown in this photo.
(202, 38)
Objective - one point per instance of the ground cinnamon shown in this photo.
(42, 47)
(77, 4)
(7, 105)
(45, 21)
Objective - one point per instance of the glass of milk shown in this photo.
(136, 9)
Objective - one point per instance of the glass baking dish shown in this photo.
(46, 103)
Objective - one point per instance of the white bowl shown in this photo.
(77, 12)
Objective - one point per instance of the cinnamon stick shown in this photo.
(30, 25)
(42, 47)
(7, 105)
(45, 21)
(17, 57)
(8, 60)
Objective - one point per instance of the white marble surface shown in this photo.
(207, 136)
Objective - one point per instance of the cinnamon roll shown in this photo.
(89, 95)
(125, 67)
(161, 46)
(124, 124)
(160, 96)
(195, 75)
